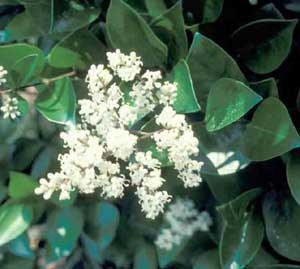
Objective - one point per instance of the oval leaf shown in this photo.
(271, 132)
(58, 104)
(20, 185)
(14, 220)
(264, 44)
(228, 100)
(140, 38)
(293, 176)
(208, 63)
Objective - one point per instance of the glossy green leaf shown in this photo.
(263, 45)
(145, 257)
(293, 176)
(240, 244)
(57, 102)
(64, 228)
(228, 101)
(14, 220)
(208, 63)
(210, 10)
(281, 216)
(103, 221)
(18, 58)
(20, 185)
(261, 259)
(186, 101)
(270, 133)
(208, 260)
(140, 38)
(25, 70)
(292, 5)
(78, 50)
(234, 211)
(170, 28)
(265, 88)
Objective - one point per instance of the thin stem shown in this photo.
(44, 81)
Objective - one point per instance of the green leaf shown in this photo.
(103, 220)
(186, 101)
(239, 245)
(228, 101)
(64, 228)
(169, 26)
(292, 5)
(58, 104)
(234, 211)
(293, 176)
(20, 185)
(263, 45)
(25, 70)
(140, 38)
(281, 216)
(210, 10)
(220, 148)
(14, 220)
(21, 247)
(262, 259)
(79, 50)
(208, 63)
(17, 57)
(265, 88)
(271, 132)
(208, 260)
(145, 257)
(155, 7)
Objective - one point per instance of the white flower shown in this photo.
(3, 73)
(103, 144)
(167, 93)
(126, 67)
(10, 107)
(98, 78)
(121, 143)
(183, 220)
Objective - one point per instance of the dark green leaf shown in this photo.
(228, 101)
(20, 185)
(170, 27)
(140, 38)
(234, 211)
(103, 220)
(58, 104)
(14, 220)
(208, 260)
(281, 215)
(293, 176)
(270, 133)
(210, 10)
(145, 257)
(79, 50)
(21, 247)
(239, 245)
(264, 44)
(155, 7)
(208, 63)
(265, 88)
(64, 228)
(186, 101)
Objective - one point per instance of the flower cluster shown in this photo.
(102, 150)
(183, 220)
(3, 73)
(10, 107)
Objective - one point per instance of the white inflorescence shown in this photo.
(10, 107)
(3, 73)
(183, 220)
(102, 149)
